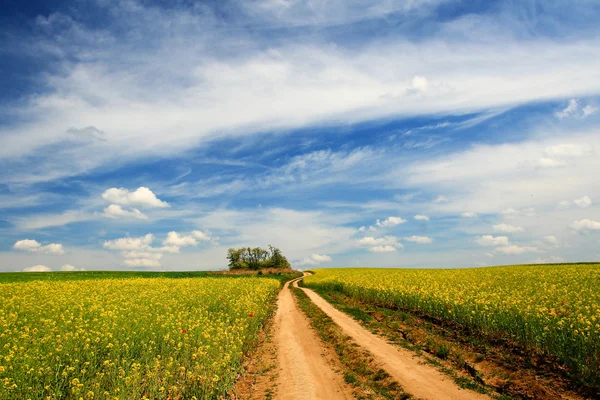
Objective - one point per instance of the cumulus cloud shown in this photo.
(575, 110)
(115, 211)
(419, 239)
(505, 228)
(489, 240)
(130, 243)
(140, 197)
(390, 221)
(382, 249)
(440, 199)
(468, 214)
(585, 225)
(141, 262)
(204, 236)
(421, 217)
(513, 249)
(37, 268)
(362, 229)
(383, 244)
(33, 246)
(314, 259)
(175, 239)
(320, 258)
(70, 268)
(583, 202)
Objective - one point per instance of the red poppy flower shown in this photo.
(183, 330)
(251, 315)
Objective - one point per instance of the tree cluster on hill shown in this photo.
(256, 258)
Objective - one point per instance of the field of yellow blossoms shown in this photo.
(139, 338)
(555, 308)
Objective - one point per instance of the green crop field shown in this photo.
(72, 335)
(555, 308)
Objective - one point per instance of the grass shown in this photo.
(358, 367)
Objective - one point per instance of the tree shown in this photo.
(256, 258)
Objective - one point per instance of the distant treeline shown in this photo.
(256, 258)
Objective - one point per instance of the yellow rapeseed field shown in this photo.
(128, 338)
(555, 308)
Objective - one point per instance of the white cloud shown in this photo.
(141, 197)
(175, 239)
(421, 217)
(386, 240)
(320, 258)
(585, 224)
(488, 240)
(569, 110)
(379, 245)
(546, 162)
(468, 214)
(129, 243)
(382, 249)
(583, 202)
(515, 250)
(362, 229)
(440, 199)
(141, 262)
(575, 110)
(390, 221)
(37, 268)
(32, 246)
(569, 150)
(564, 204)
(279, 84)
(116, 211)
(419, 239)
(488, 178)
(151, 255)
(69, 267)
(505, 228)
(203, 236)
(547, 260)
(551, 240)
(420, 83)
(589, 110)
(314, 259)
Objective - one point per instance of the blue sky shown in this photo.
(423, 133)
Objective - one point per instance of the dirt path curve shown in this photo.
(420, 380)
(303, 369)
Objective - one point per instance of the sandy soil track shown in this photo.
(420, 380)
(304, 372)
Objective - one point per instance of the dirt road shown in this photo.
(304, 372)
(420, 380)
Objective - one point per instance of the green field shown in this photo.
(135, 335)
(553, 308)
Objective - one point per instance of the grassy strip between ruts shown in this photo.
(471, 360)
(360, 370)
